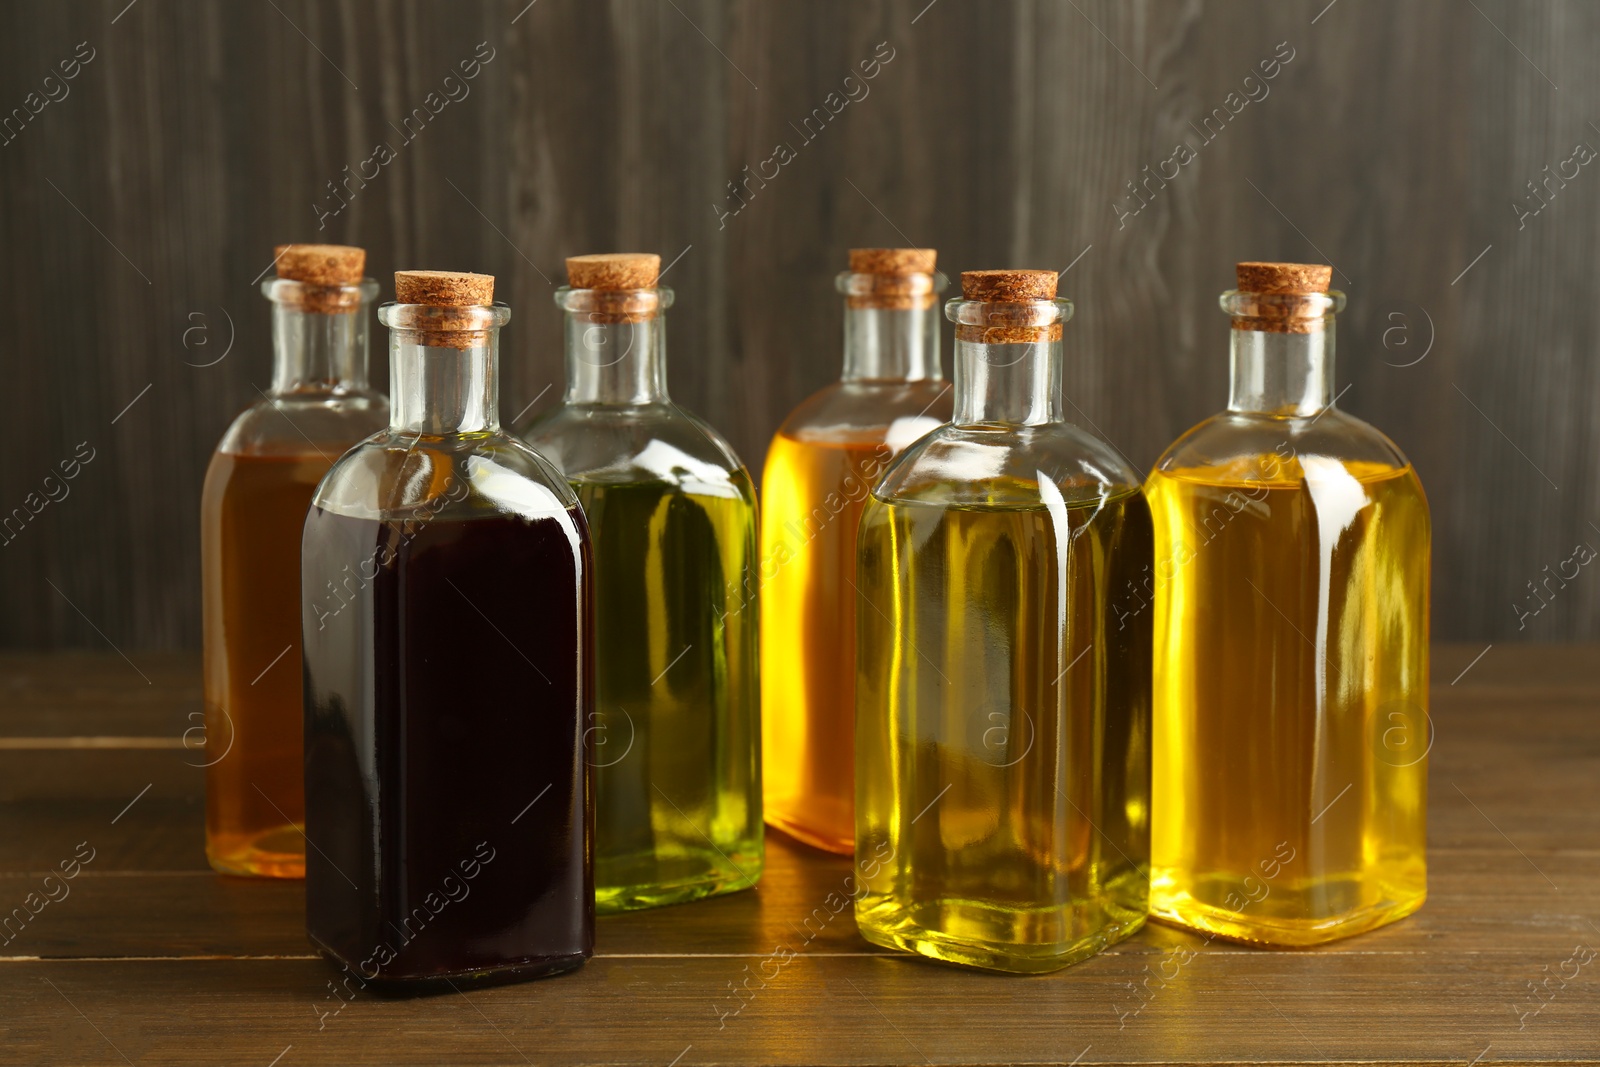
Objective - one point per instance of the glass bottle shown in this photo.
(675, 732)
(823, 462)
(1002, 713)
(257, 489)
(449, 673)
(1290, 597)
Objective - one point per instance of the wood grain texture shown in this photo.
(151, 958)
(136, 211)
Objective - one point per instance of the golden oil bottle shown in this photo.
(1002, 711)
(1290, 598)
(822, 465)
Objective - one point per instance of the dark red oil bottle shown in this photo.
(445, 595)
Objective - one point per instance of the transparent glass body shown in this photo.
(1002, 714)
(821, 466)
(1290, 595)
(448, 682)
(257, 489)
(675, 731)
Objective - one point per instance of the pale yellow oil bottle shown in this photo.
(1005, 795)
(1002, 710)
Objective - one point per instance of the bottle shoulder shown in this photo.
(399, 476)
(870, 412)
(633, 443)
(1241, 446)
(294, 423)
(1006, 467)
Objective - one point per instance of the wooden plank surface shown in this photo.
(135, 212)
(151, 958)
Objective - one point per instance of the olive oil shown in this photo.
(815, 491)
(679, 815)
(257, 489)
(1291, 664)
(1290, 596)
(254, 506)
(1002, 709)
(821, 465)
(1007, 779)
(675, 735)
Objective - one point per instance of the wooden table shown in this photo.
(151, 958)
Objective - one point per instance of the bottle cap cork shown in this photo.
(614, 270)
(1282, 297)
(327, 277)
(444, 308)
(896, 279)
(893, 260)
(616, 286)
(992, 322)
(443, 288)
(321, 264)
(1284, 277)
(1008, 286)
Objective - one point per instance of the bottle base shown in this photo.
(276, 852)
(806, 835)
(898, 929)
(716, 875)
(1278, 931)
(450, 981)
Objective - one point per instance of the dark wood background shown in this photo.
(136, 211)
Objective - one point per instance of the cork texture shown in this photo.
(321, 264)
(329, 275)
(614, 270)
(443, 288)
(1008, 287)
(613, 282)
(1283, 280)
(893, 260)
(450, 294)
(1284, 277)
(893, 279)
(1008, 335)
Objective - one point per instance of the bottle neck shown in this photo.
(615, 362)
(319, 351)
(1282, 373)
(1010, 384)
(899, 344)
(440, 391)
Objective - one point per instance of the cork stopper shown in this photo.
(614, 270)
(615, 286)
(327, 275)
(321, 264)
(443, 288)
(893, 260)
(1020, 287)
(1008, 286)
(897, 279)
(1284, 277)
(452, 306)
(1281, 297)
